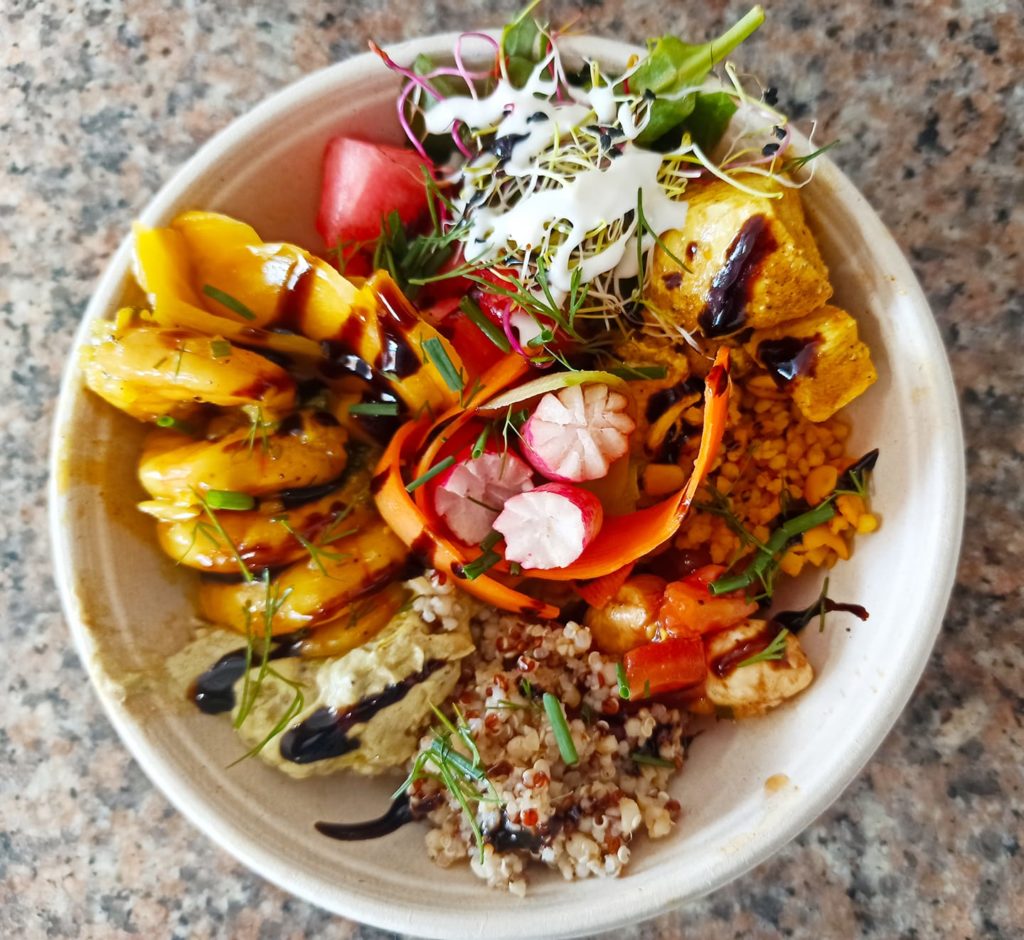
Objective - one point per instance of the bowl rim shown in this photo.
(661, 895)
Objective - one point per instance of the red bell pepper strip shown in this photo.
(665, 666)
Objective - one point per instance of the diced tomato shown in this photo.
(477, 352)
(497, 307)
(690, 609)
(665, 666)
(362, 184)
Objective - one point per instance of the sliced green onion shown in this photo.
(481, 443)
(228, 301)
(639, 757)
(620, 674)
(166, 421)
(438, 355)
(229, 499)
(439, 467)
(556, 716)
(374, 408)
(220, 349)
(486, 326)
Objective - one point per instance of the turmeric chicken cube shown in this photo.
(752, 261)
(819, 359)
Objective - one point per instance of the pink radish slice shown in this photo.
(549, 526)
(577, 433)
(473, 492)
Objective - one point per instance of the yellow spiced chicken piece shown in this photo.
(753, 262)
(819, 359)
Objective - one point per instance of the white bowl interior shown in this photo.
(129, 606)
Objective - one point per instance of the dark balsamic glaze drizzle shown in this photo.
(214, 691)
(724, 664)
(325, 733)
(726, 306)
(297, 287)
(788, 357)
(509, 838)
(399, 813)
(661, 401)
(396, 320)
(795, 620)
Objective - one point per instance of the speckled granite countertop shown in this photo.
(100, 101)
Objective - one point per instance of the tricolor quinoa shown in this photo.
(579, 820)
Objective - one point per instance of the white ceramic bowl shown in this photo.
(128, 606)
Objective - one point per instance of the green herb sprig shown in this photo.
(776, 650)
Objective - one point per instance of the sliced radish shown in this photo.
(549, 526)
(578, 433)
(474, 491)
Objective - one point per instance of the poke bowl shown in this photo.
(746, 787)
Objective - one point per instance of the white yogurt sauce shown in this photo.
(590, 200)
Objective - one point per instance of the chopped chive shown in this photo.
(481, 443)
(220, 349)
(767, 557)
(774, 651)
(639, 757)
(439, 467)
(228, 301)
(620, 673)
(629, 372)
(229, 499)
(515, 569)
(486, 561)
(556, 716)
(486, 326)
(488, 543)
(480, 565)
(167, 421)
(438, 355)
(374, 408)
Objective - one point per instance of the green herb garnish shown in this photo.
(220, 348)
(798, 163)
(481, 443)
(629, 372)
(439, 467)
(374, 408)
(438, 355)
(228, 301)
(463, 776)
(774, 651)
(620, 674)
(639, 757)
(229, 499)
(167, 421)
(483, 323)
(316, 552)
(563, 736)
(486, 561)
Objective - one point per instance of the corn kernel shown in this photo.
(791, 564)
(851, 507)
(663, 478)
(867, 523)
(819, 483)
